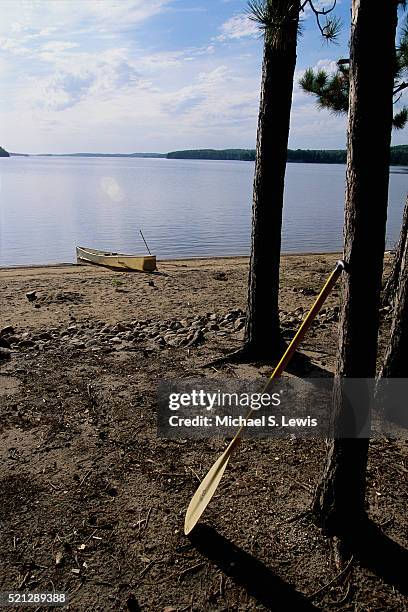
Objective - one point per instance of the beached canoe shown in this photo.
(117, 261)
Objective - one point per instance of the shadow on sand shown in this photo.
(378, 553)
(245, 570)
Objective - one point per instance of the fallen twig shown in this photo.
(146, 569)
(84, 478)
(192, 568)
(339, 575)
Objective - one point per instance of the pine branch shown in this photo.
(332, 25)
(400, 119)
(400, 87)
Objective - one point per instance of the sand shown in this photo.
(93, 501)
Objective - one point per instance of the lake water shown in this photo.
(185, 208)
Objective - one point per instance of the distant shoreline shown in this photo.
(398, 155)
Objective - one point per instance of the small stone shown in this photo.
(4, 343)
(195, 338)
(220, 276)
(26, 343)
(45, 336)
(9, 329)
(76, 343)
(31, 296)
(239, 323)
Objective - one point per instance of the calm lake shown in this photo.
(185, 208)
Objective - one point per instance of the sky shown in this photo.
(149, 76)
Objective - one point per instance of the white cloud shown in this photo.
(57, 46)
(327, 65)
(239, 26)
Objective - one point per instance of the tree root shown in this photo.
(241, 355)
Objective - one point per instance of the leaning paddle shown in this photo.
(208, 486)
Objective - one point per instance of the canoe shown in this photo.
(117, 261)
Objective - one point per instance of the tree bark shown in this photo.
(391, 285)
(396, 358)
(339, 498)
(262, 333)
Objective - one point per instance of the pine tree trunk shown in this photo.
(339, 498)
(396, 358)
(262, 333)
(391, 285)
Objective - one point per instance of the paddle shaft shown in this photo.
(209, 484)
(147, 247)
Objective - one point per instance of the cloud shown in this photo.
(81, 75)
(57, 46)
(327, 65)
(239, 26)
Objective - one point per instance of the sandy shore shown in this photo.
(93, 501)
(182, 287)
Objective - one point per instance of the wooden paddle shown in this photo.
(208, 486)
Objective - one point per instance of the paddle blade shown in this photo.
(206, 490)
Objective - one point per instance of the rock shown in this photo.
(195, 338)
(31, 296)
(4, 353)
(220, 276)
(307, 291)
(239, 323)
(9, 329)
(116, 340)
(4, 343)
(45, 336)
(26, 343)
(76, 343)
(151, 283)
(213, 327)
(182, 331)
(119, 327)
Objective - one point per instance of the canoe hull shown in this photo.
(117, 261)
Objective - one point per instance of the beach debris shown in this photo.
(308, 291)
(221, 276)
(59, 557)
(149, 335)
(4, 343)
(31, 296)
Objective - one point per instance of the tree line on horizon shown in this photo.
(398, 155)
